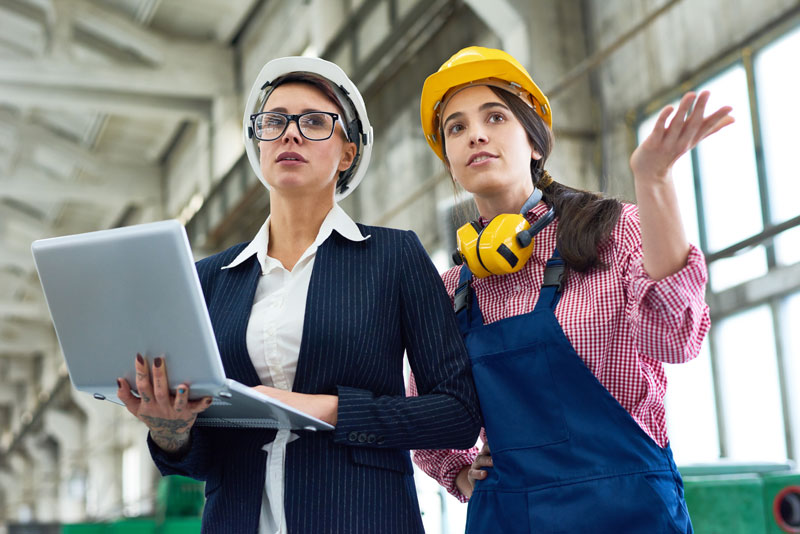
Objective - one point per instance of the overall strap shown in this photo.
(465, 302)
(552, 284)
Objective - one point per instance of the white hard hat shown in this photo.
(355, 123)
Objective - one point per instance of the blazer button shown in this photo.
(381, 440)
(353, 436)
(362, 438)
(371, 438)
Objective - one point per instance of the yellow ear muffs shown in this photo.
(499, 252)
(467, 242)
(502, 247)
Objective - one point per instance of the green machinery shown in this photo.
(728, 498)
(179, 507)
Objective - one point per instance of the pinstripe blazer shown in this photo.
(368, 302)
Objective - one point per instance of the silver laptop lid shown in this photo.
(117, 292)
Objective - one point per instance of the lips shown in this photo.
(290, 156)
(479, 157)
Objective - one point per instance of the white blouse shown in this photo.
(274, 333)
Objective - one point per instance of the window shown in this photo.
(739, 398)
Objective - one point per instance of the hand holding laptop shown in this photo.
(169, 417)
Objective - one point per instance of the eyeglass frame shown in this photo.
(296, 119)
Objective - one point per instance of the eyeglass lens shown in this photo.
(313, 126)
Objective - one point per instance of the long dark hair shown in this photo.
(585, 219)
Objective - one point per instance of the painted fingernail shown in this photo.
(139, 358)
(181, 390)
(119, 383)
(157, 362)
(208, 400)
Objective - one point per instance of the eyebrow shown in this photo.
(487, 105)
(284, 110)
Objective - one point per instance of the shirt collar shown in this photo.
(531, 216)
(336, 220)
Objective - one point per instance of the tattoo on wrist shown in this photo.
(169, 434)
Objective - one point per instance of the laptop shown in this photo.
(114, 293)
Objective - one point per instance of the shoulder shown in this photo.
(627, 232)
(451, 278)
(382, 233)
(215, 262)
(391, 240)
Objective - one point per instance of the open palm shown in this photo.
(653, 159)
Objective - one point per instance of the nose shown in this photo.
(477, 136)
(292, 133)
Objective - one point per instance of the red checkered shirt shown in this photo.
(623, 324)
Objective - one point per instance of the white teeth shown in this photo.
(480, 158)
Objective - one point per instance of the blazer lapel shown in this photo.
(237, 287)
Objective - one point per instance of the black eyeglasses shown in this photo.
(313, 125)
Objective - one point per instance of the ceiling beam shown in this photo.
(119, 30)
(182, 77)
(32, 311)
(124, 103)
(15, 259)
(27, 185)
(39, 138)
(12, 348)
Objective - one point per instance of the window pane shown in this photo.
(790, 318)
(691, 410)
(748, 373)
(777, 104)
(740, 268)
(731, 199)
(684, 183)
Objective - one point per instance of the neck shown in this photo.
(294, 225)
(509, 200)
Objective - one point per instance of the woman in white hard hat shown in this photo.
(570, 304)
(317, 312)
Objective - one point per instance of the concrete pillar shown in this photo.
(68, 429)
(43, 475)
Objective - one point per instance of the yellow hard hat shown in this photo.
(486, 66)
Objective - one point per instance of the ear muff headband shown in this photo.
(504, 245)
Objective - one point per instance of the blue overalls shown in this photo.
(567, 456)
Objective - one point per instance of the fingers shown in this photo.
(676, 124)
(198, 406)
(143, 384)
(695, 120)
(725, 121)
(477, 474)
(184, 406)
(160, 383)
(128, 399)
(714, 123)
(181, 399)
(661, 122)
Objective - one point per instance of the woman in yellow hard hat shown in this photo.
(569, 304)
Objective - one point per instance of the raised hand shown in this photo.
(169, 417)
(653, 159)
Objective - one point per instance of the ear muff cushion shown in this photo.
(499, 252)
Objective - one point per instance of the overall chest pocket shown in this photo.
(519, 399)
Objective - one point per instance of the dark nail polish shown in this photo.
(157, 362)
(119, 383)
(139, 358)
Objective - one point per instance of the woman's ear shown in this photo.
(349, 152)
(535, 154)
